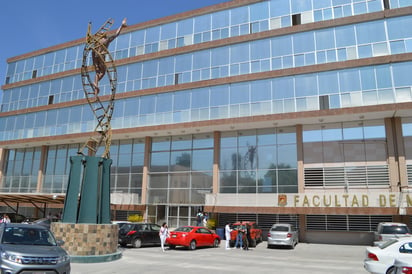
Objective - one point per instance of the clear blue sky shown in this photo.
(29, 25)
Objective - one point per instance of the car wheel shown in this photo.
(137, 243)
(216, 243)
(391, 270)
(172, 246)
(253, 243)
(123, 245)
(192, 245)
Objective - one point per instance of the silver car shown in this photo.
(28, 248)
(284, 235)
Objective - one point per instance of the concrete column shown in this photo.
(2, 165)
(216, 160)
(146, 164)
(40, 173)
(299, 147)
(392, 159)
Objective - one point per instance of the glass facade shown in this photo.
(370, 85)
(203, 28)
(258, 161)
(364, 40)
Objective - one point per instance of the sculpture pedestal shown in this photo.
(88, 243)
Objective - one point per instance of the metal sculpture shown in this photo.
(97, 46)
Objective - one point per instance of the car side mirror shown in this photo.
(60, 242)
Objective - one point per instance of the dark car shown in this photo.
(139, 234)
(28, 248)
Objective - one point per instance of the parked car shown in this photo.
(381, 259)
(255, 233)
(387, 230)
(403, 266)
(283, 234)
(120, 223)
(28, 248)
(192, 237)
(139, 234)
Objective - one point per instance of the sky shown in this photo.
(27, 25)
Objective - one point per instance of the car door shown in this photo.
(206, 236)
(154, 232)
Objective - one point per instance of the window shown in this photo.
(296, 19)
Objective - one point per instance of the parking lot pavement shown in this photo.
(305, 258)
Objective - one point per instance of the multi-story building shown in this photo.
(293, 111)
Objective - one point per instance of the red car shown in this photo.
(192, 237)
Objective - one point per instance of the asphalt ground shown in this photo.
(305, 258)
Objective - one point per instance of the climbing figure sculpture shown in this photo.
(99, 54)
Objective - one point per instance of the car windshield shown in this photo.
(280, 228)
(28, 236)
(184, 229)
(394, 229)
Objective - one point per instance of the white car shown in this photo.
(381, 259)
(403, 266)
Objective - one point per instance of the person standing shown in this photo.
(239, 236)
(227, 235)
(163, 234)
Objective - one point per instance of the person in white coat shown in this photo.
(163, 234)
(227, 235)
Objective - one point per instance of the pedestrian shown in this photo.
(205, 218)
(6, 219)
(247, 237)
(239, 237)
(199, 218)
(227, 234)
(163, 234)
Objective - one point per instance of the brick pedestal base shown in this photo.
(87, 239)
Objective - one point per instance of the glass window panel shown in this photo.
(345, 36)
(349, 80)
(168, 31)
(229, 159)
(181, 100)
(260, 49)
(328, 83)
(370, 32)
(202, 159)
(352, 131)
(267, 157)
(159, 161)
(324, 39)
(239, 15)
(180, 160)
(368, 79)
(185, 27)
(304, 42)
(401, 74)
(202, 23)
(260, 90)
(219, 96)
(164, 102)
(267, 181)
(287, 156)
(306, 85)
(383, 76)
(299, 6)
(239, 93)
(395, 29)
(259, 11)
(279, 8)
(283, 88)
(220, 19)
(147, 104)
(374, 130)
(239, 53)
(201, 59)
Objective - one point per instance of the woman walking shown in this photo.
(163, 234)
